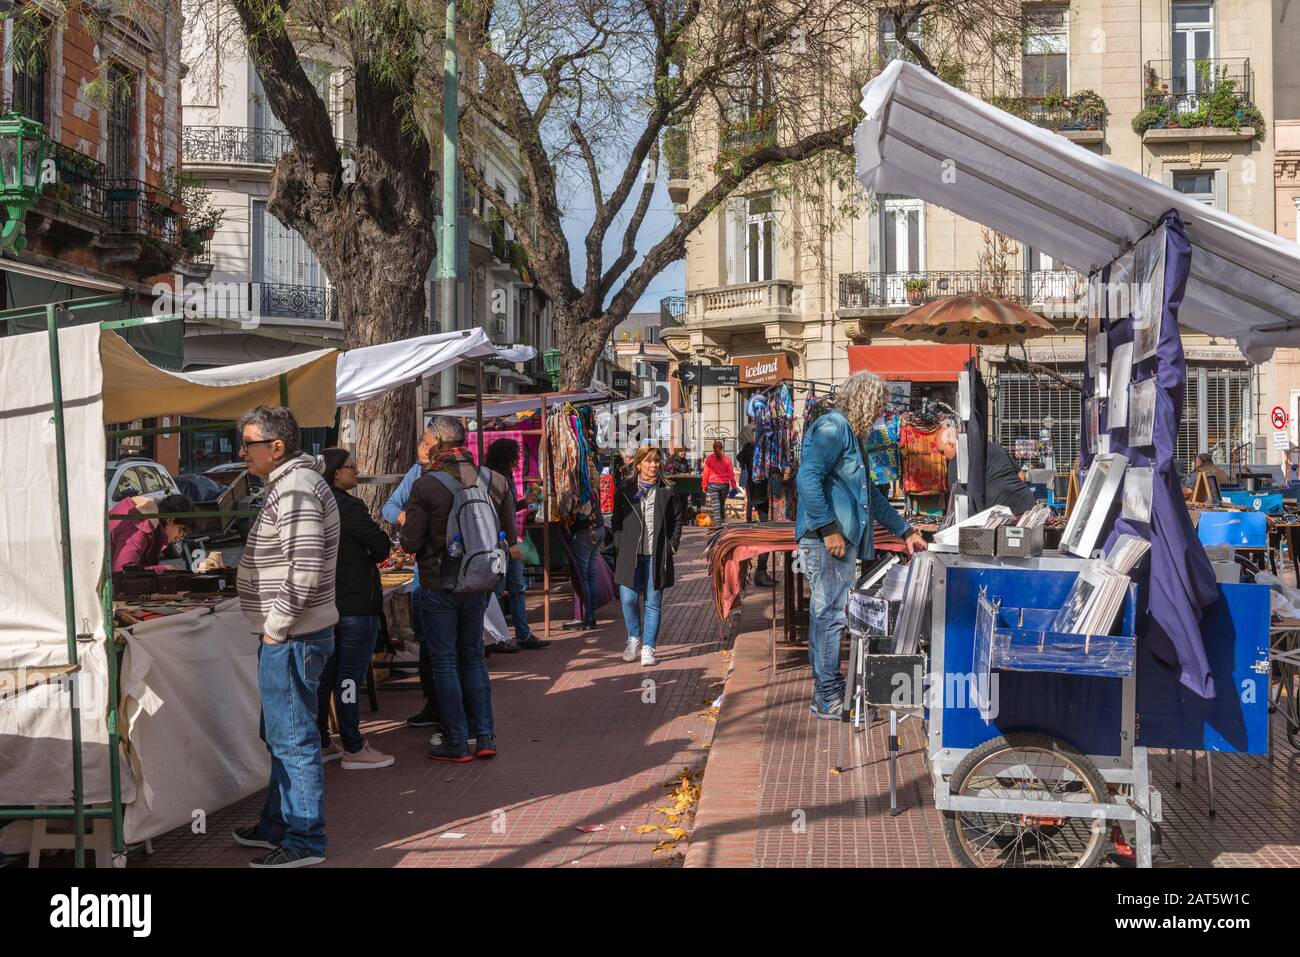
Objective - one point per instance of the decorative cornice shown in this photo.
(1286, 169)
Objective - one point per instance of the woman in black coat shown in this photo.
(360, 600)
(647, 529)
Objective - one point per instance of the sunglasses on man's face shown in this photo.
(247, 442)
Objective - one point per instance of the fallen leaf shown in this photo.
(588, 828)
(835, 771)
(451, 835)
(647, 828)
(412, 791)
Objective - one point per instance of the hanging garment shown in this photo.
(564, 465)
(925, 470)
(883, 458)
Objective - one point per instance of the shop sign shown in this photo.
(763, 370)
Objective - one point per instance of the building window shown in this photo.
(29, 90)
(1193, 40)
(1205, 186)
(890, 48)
(121, 112)
(1216, 416)
(760, 226)
(1045, 61)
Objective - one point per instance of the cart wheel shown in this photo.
(1024, 768)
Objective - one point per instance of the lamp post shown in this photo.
(551, 361)
(23, 145)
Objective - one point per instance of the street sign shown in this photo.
(690, 375)
(621, 382)
(1279, 417)
(1282, 439)
(721, 375)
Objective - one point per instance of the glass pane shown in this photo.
(30, 169)
(767, 249)
(758, 205)
(1192, 13)
(753, 252)
(1194, 182)
(9, 161)
(1204, 49)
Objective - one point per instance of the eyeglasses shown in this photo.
(247, 442)
(350, 465)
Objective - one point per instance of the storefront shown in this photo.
(916, 372)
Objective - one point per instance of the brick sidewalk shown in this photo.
(770, 798)
(578, 747)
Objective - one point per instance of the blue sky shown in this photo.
(659, 219)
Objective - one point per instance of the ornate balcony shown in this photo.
(672, 310)
(286, 301)
(1199, 99)
(861, 292)
(237, 145)
(1081, 117)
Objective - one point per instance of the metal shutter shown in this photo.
(1221, 189)
(1024, 402)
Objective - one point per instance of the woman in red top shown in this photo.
(141, 541)
(719, 479)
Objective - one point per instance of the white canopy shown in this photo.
(525, 403)
(373, 370)
(923, 138)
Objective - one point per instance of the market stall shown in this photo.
(55, 586)
(1063, 653)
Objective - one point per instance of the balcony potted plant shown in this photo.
(916, 289)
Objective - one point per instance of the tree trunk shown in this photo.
(580, 339)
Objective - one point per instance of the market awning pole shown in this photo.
(110, 651)
(478, 406)
(545, 448)
(69, 605)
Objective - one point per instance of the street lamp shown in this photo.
(23, 145)
(551, 361)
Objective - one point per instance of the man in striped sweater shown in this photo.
(286, 589)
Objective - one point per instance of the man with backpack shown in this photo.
(460, 519)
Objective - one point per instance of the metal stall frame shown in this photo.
(1129, 771)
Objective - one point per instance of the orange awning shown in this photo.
(910, 363)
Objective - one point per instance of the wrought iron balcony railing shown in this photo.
(238, 145)
(1187, 86)
(287, 301)
(671, 311)
(132, 206)
(1086, 111)
(863, 290)
(80, 182)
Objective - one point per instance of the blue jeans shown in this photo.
(293, 815)
(354, 645)
(514, 583)
(717, 497)
(830, 579)
(453, 630)
(643, 585)
(586, 552)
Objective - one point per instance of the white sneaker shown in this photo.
(366, 759)
(435, 741)
(629, 653)
(647, 655)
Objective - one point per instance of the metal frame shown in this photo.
(1137, 801)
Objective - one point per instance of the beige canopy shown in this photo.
(134, 388)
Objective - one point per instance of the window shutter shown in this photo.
(873, 237)
(1167, 178)
(1221, 189)
(736, 259)
(258, 241)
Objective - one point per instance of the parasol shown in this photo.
(978, 320)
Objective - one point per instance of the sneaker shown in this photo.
(282, 858)
(367, 759)
(532, 643)
(590, 624)
(425, 719)
(832, 713)
(507, 647)
(331, 752)
(576, 625)
(629, 653)
(647, 655)
(250, 836)
(458, 753)
(435, 739)
(485, 747)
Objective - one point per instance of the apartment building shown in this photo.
(231, 141)
(1140, 82)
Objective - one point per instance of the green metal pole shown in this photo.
(69, 604)
(450, 200)
(110, 649)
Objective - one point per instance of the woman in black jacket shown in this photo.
(647, 528)
(359, 597)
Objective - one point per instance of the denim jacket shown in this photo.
(835, 492)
